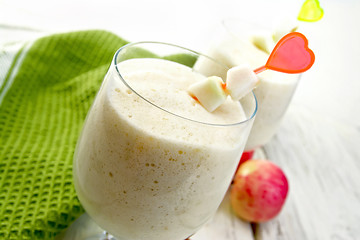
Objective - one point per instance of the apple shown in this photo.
(240, 80)
(209, 92)
(284, 28)
(212, 91)
(259, 190)
(263, 42)
(247, 155)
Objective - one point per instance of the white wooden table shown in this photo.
(321, 161)
(318, 143)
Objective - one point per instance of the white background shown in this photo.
(331, 87)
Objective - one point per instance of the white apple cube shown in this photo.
(209, 92)
(284, 28)
(264, 42)
(240, 81)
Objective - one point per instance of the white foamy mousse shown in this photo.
(142, 173)
(274, 91)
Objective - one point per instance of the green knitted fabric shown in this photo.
(41, 117)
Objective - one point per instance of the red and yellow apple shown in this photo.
(259, 191)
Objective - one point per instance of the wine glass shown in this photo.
(151, 163)
(235, 45)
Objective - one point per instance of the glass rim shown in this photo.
(165, 110)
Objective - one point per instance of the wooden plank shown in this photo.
(321, 159)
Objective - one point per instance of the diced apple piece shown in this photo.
(284, 28)
(240, 81)
(209, 92)
(263, 42)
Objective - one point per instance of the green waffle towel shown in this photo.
(45, 93)
(44, 98)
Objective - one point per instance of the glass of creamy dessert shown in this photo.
(243, 42)
(151, 162)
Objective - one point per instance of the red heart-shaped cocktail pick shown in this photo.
(290, 55)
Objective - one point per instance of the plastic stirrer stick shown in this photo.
(290, 55)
